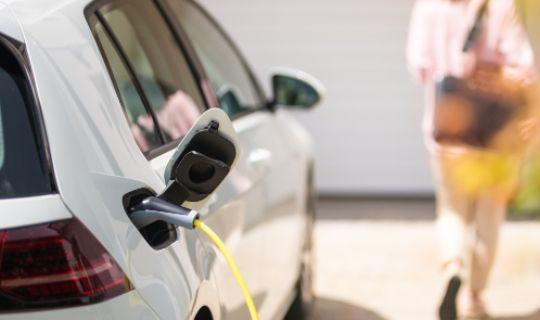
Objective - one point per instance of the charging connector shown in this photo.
(153, 209)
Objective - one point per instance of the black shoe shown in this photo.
(448, 308)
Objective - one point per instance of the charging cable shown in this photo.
(153, 209)
(232, 265)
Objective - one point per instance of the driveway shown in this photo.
(378, 260)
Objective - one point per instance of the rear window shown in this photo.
(22, 169)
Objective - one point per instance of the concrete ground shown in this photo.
(378, 260)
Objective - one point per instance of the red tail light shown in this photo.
(54, 265)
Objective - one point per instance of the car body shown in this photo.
(95, 79)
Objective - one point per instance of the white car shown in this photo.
(96, 102)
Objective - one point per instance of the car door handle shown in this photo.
(260, 159)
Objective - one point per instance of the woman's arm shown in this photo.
(419, 59)
(515, 46)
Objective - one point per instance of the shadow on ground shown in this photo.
(333, 309)
(393, 209)
(376, 209)
(533, 316)
(325, 308)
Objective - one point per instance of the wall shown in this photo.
(529, 10)
(367, 133)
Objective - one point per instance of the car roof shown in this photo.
(18, 15)
(33, 8)
(40, 8)
(35, 12)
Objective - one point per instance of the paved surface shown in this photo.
(378, 260)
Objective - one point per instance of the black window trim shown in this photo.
(93, 15)
(91, 12)
(131, 72)
(18, 49)
(186, 47)
(265, 105)
(184, 40)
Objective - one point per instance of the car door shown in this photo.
(161, 100)
(275, 223)
(162, 95)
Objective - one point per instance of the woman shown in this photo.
(473, 187)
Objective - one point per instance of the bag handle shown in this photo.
(477, 27)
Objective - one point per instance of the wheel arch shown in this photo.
(204, 313)
(206, 305)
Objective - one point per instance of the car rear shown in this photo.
(51, 266)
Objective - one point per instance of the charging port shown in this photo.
(158, 234)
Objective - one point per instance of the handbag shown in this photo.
(470, 111)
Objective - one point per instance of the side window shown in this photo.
(229, 75)
(140, 120)
(160, 95)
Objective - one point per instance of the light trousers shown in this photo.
(471, 211)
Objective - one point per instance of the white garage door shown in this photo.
(367, 133)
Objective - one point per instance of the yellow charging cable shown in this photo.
(232, 265)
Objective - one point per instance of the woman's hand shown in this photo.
(528, 128)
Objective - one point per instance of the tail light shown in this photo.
(56, 265)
